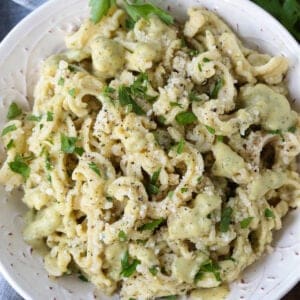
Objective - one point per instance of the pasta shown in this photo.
(158, 160)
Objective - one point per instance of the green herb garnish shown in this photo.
(19, 166)
(210, 129)
(269, 213)
(220, 138)
(194, 97)
(186, 118)
(151, 225)
(180, 146)
(139, 10)
(184, 190)
(208, 267)
(8, 129)
(10, 144)
(246, 222)
(225, 219)
(72, 92)
(176, 104)
(292, 129)
(48, 163)
(128, 265)
(126, 99)
(95, 168)
(49, 116)
(34, 118)
(100, 8)
(61, 81)
(13, 111)
(205, 60)
(68, 145)
(154, 270)
(216, 88)
(122, 236)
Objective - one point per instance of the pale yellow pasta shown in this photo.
(156, 160)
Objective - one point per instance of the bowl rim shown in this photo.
(25, 23)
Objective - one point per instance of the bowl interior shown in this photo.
(42, 34)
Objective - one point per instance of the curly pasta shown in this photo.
(159, 159)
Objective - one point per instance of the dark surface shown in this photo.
(10, 15)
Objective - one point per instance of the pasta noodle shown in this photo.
(158, 159)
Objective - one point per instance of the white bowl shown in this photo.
(40, 35)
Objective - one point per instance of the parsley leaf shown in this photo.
(205, 60)
(210, 129)
(225, 219)
(48, 163)
(171, 297)
(34, 118)
(68, 145)
(208, 267)
(144, 10)
(278, 132)
(8, 129)
(100, 8)
(292, 129)
(180, 146)
(194, 97)
(152, 187)
(95, 168)
(128, 265)
(13, 111)
(269, 213)
(122, 236)
(220, 138)
(185, 118)
(72, 92)
(151, 225)
(19, 166)
(61, 81)
(155, 176)
(153, 270)
(49, 116)
(246, 222)
(126, 99)
(214, 92)
(10, 144)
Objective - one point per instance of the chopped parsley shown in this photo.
(34, 118)
(225, 219)
(220, 138)
(8, 129)
(180, 146)
(200, 67)
(246, 222)
(11, 144)
(194, 97)
(277, 132)
(205, 60)
(95, 168)
(72, 92)
(19, 166)
(49, 116)
(210, 129)
(151, 225)
(193, 52)
(48, 163)
(171, 297)
(152, 188)
(269, 213)
(208, 267)
(13, 111)
(292, 129)
(68, 145)
(154, 270)
(126, 99)
(128, 265)
(161, 120)
(61, 81)
(186, 118)
(184, 190)
(216, 88)
(171, 194)
(174, 104)
(122, 236)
